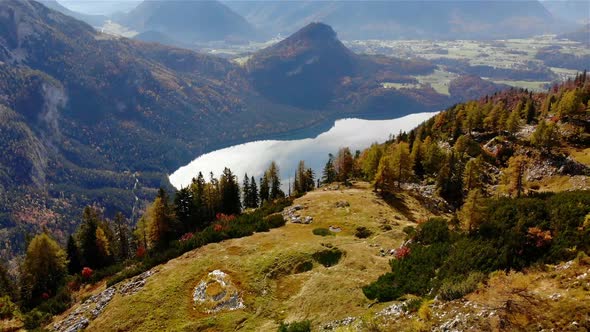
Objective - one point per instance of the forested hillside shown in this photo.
(105, 119)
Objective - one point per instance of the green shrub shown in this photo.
(410, 232)
(322, 232)
(303, 326)
(7, 308)
(412, 305)
(452, 289)
(328, 257)
(35, 318)
(435, 230)
(275, 220)
(363, 232)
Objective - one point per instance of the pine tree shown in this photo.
(401, 163)
(384, 179)
(344, 164)
(73, 255)
(515, 175)
(198, 189)
(329, 172)
(530, 111)
(274, 181)
(513, 123)
(472, 174)
(44, 268)
(86, 236)
(417, 158)
(246, 192)
(433, 157)
(160, 221)
(471, 212)
(254, 201)
(184, 208)
(545, 136)
(230, 193)
(264, 190)
(122, 231)
(370, 161)
(450, 179)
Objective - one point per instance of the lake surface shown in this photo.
(254, 157)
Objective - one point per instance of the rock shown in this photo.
(339, 323)
(308, 220)
(335, 229)
(342, 204)
(217, 293)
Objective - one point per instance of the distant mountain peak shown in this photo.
(316, 31)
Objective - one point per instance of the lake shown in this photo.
(254, 157)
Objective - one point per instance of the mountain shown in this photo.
(581, 35)
(402, 19)
(570, 10)
(189, 21)
(313, 69)
(97, 119)
(92, 19)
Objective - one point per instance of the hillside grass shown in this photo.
(267, 268)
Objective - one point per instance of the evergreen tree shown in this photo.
(44, 268)
(545, 136)
(344, 164)
(472, 174)
(401, 163)
(73, 255)
(87, 241)
(198, 189)
(246, 192)
(7, 286)
(230, 193)
(185, 209)
(417, 158)
(370, 161)
(530, 111)
(449, 180)
(433, 157)
(254, 201)
(274, 181)
(471, 212)
(160, 221)
(309, 177)
(123, 236)
(264, 190)
(513, 123)
(329, 173)
(515, 175)
(384, 179)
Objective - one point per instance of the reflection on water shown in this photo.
(253, 157)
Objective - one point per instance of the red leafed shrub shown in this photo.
(45, 296)
(217, 227)
(224, 217)
(186, 237)
(402, 252)
(87, 272)
(140, 253)
(74, 285)
(539, 237)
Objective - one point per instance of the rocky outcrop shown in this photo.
(216, 292)
(293, 215)
(80, 318)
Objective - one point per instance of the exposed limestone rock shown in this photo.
(216, 293)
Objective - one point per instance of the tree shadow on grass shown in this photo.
(396, 202)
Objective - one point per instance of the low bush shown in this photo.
(452, 289)
(362, 232)
(35, 318)
(435, 230)
(275, 220)
(328, 257)
(303, 326)
(7, 308)
(322, 232)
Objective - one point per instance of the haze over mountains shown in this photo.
(192, 22)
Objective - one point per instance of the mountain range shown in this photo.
(90, 118)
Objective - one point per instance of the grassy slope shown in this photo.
(321, 295)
